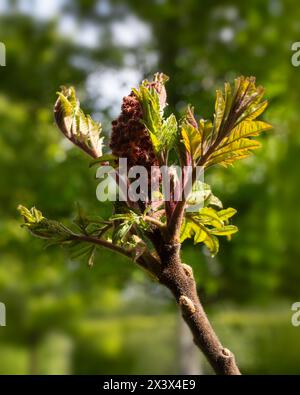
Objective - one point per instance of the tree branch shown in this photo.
(160, 225)
(146, 260)
(178, 214)
(178, 277)
(175, 222)
(105, 244)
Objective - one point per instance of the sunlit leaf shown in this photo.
(199, 233)
(169, 132)
(224, 231)
(191, 140)
(231, 152)
(204, 226)
(226, 213)
(163, 132)
(219, 113)
(79, 128)
(230, 137)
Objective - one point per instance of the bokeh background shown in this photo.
(63, 317)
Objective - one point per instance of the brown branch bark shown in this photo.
(178, 277)
(166, 266)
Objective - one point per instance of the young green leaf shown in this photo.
(224, 215)
(121, 232)
(79, 128)
(205, 225)
(219, 113)
(169, 135)
(191, 138)
(224, 231)
(163, 132)
(231, 152)
(199, 233)
(230, 136)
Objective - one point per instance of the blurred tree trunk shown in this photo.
(33, 359)
(189, 358)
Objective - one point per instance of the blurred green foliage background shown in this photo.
(63, 317)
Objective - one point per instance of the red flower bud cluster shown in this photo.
(130, 139)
